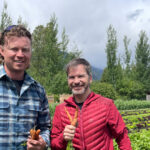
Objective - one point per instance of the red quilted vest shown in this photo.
(98, 123)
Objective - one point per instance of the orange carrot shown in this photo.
(35, 134)
(75, 119)
(69, 116)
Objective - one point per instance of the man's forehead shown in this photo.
(12, 39)
(80, 66)
(9, 38)
(77, 68)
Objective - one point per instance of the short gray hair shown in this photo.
(79, 61)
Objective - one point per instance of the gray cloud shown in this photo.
(135, 14)
(86, 21)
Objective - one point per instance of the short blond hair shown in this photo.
(14, 30)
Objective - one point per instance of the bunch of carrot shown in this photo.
(35, 134)
(75, 119)
(74, 123)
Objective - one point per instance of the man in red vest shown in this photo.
(98, 120)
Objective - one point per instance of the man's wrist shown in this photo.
(46, 146)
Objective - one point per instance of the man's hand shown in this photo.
(39, 144)
(69, 132)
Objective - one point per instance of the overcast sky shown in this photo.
(86, 21)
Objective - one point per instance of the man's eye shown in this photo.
(81, 76)
(25, 50)
(14, 49)
(71, 77)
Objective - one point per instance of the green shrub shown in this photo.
(131, 89)
(105, 89)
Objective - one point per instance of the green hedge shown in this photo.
(132, 104)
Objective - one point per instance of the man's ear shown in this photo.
(1, 54)
(91, 79)
(1, 50)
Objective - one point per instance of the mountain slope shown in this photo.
(96, 73)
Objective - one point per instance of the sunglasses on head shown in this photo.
(5, 31)
(8, 28)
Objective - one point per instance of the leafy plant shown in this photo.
(105, 89)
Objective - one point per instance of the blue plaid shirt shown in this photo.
(20, 113)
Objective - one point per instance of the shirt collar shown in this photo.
(2, 71)
(27, 79)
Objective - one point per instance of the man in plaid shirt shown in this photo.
(23, 102)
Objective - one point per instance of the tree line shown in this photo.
(128, 79)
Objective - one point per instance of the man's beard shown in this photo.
(80, 92)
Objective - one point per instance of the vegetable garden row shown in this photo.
(138, 125)
(136, 115)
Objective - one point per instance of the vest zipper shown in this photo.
(81, 126)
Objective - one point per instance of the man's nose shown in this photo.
(76, 80)
(20, 53)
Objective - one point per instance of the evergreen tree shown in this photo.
(119, 70)
(111, 50)
(59, 84)
(105, 75)
(5, 22)
(127, 57)
(142, 58)
(5, 18)
(49, 56)
(45, 54)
